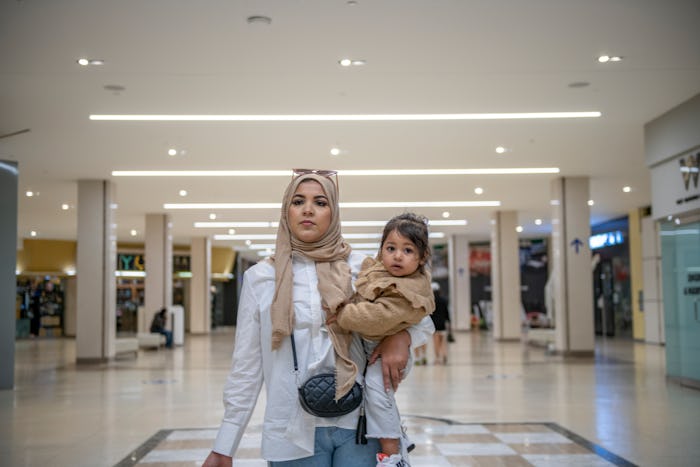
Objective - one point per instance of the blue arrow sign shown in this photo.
(576, 243)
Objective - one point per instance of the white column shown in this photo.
(653, 303)
(96, 258)
(8, 264)
(571, 262)
(200, 296)
(158, 258)
(460, 291)
(505, 276)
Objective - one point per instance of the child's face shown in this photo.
(400, 255)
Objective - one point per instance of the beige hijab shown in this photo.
(330, 253)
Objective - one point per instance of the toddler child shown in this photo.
(393, 292)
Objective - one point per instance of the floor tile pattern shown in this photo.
(439, 443)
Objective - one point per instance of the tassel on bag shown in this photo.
(361, 432)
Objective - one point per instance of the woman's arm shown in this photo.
(395, 351)
(245, 379)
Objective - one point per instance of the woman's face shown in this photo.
(309, 213)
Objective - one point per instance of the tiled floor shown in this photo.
(439, 443)
(61, 414)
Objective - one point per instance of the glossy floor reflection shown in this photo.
(61, 414)
(438, 443)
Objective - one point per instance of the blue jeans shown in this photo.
(168, 337)
(335, 447)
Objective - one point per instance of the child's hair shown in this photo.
(415, 228)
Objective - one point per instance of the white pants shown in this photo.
(383, 419)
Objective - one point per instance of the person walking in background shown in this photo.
(158, 325)
(284, 297)
(420, 355)
(393, 293)
(440, 318)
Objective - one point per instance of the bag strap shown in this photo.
(296, 364)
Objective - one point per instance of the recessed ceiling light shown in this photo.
(478, 190)
(500, 149)
(677, 221)
(359, 62)
(65, 207)
(183, 192)
(345, 62)
(90, 61)
(579, 84)
(259, 19)
(172, 152)
(591, 202)
(33, 233)
(114, 87)
(519, 228)
(446, 214)
(335, 151)
(626, 189)
(212, 216)
(538, 221)
(609, 58)
(133, 232)
(29, 193)
(231, 231)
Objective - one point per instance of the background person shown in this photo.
(312, 268)
(158, 325)
(440, 317)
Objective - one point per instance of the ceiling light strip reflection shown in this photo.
(343, 118)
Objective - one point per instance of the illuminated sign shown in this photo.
(606, 239)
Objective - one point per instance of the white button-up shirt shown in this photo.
(288, 431)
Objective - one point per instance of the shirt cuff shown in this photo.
(227, 439)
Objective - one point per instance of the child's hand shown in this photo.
(332, 318)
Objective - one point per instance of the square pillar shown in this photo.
(505, 276)
(573, 284)
(96, 262)
(8, 265)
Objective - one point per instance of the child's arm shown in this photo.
(387, 314)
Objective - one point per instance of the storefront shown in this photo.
(673, 154)
(612, 301)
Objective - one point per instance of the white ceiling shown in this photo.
(439, 56)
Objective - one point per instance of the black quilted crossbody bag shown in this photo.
(317, 394)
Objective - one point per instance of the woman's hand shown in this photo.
(395, 351)
(214, 459)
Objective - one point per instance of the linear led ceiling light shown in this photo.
(273, 225)
(342, 173)
(342, 118)
(404, 204)
(348, 236)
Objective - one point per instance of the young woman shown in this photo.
(312, 269)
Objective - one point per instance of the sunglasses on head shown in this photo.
(332, 174)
